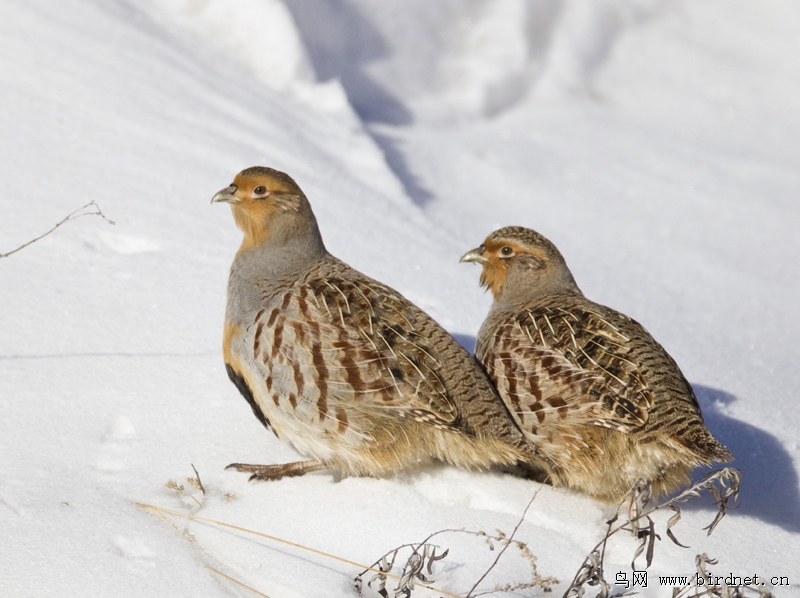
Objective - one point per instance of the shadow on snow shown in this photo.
(770, 489)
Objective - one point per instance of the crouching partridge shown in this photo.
(344, 368)
(589, 385)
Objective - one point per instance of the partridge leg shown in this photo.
(276, 472)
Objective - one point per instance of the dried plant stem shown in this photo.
(237, 582)
(72, 216)
(506, 544)
(423, 555)
(163, 516)
(199, 481)
(160, 511)
(723, 485)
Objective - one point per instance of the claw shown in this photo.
(269, 473)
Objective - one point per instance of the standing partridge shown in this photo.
(346, 369)
(589, 385)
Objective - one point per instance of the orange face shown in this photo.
(495, 256)
(255, 195)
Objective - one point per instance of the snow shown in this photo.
(654, 142)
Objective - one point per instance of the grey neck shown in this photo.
(524, 285)
(295, 231)
(259, 274)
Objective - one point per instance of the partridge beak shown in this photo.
(476, 255)
(226, 195)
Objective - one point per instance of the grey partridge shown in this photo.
(596, 393)
(344, 368)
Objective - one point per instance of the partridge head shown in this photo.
(270, 209)
(351, 373)
(597, 394)
(520, 264)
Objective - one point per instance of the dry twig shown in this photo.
(199, 481)
(710, 585)
(79, 213)
(505, 544)
(723, 485)
(424, 555)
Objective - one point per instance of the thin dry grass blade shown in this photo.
(506, 544)
(237, 582)
(160, 511)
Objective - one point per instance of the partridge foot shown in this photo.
(268, 473)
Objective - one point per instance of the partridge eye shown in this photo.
(506, 250)
(260, 190)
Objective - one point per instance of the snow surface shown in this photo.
(655, 142)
